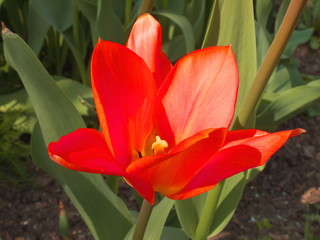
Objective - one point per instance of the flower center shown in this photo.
(159, 146)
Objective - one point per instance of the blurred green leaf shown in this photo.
(280, 80)
(105, 214)
(298, 37)
(37, 29)
(16, 12)
(175, 48)
(282, 11)
(185, 26)
(289, 104)
(171, 233)
(89, 10)
(263, 9)
(58, 12)
(108, 24)
(80, 96)
(195, 12)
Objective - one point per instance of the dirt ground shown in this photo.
(271, 206)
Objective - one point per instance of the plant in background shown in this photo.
(287, 93)
(127, 120)
(13, 152)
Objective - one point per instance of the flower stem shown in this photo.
(208, 212)
(146, 6)
(113, 182)
(270, 61)
(142, 221)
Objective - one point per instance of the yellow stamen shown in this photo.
(159, 146)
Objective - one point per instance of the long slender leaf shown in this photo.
(156, 222)
(232, 23)
(89, 10)
(263, 9)
(171, 233)
(106, 216)
(188, 211)
(185, 26)
(108, 24)
(58, 12)
(80, 96)
(37, 29)
(289, 104)
(158, 219)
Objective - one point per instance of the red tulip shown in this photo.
(164, 128)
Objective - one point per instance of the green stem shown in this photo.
(142, 221)
(113, 182)
(208, 213)
(270, 61)
(146, 6)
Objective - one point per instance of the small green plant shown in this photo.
(13, 151)
(311, 18)
(312, 221)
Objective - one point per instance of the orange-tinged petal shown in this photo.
(199, 93)
(85, 150)
(146, 40)
(236, 157)
(171, 174)
(124, 90)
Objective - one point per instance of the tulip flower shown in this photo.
(164, 127)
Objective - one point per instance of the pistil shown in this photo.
(159, 146)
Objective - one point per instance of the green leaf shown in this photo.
(58, 12)
(171, 233)
(280, 80)
(80, 96)
(228, 202)
(37, 29)
(185, 26)
(108, 24)
(89, 10)
(232, 23)
(15, 11)
(105, 214)
(282, 11)
(175, 48)
(157, 219)
(298, 37)
(263, 9)
(289, 104)
(188, 211)
(195, 12)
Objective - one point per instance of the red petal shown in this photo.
(170, 174)
(146, 40)
(199, 93)
(237, 157)
(85, 150)
(142, 187)
(124, 91)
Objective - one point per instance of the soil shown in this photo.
(271, 206)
